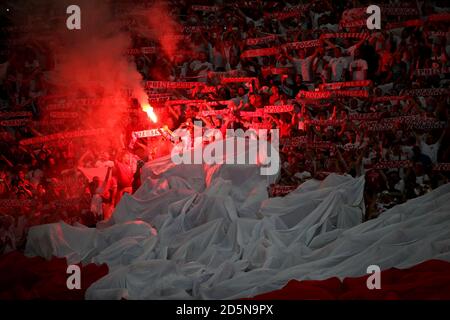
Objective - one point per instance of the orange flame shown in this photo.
(147, 108)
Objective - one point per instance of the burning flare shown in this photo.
(147, 108)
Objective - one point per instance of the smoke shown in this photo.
(160, 19)
(94, 60)
(91, 62)
(160, 26)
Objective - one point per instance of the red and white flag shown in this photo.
(278, 109)
(273, 51)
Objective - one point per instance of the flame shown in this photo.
(147, 108)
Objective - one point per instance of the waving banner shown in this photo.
(347, 84)
(345, 35)
(390, 98)
(14, 203)
(441, 167)
(332, 94)
(14, 122)
(426, 124)
(158, 100)
(224, 74)
(143, 50)
(248, 114)
(184, 101)
(376, 126)
(278, 109)
(365, 116)
(426, 92)
(440, 33)
(19, 114)
(153, 95)
(273, 51)
(315, 95)
(431, 72)
(354, 23)
(218, 103)
(405, 24)
(261, 126)
(177, 37)
(326, 145)
(205, 8)
(351, 93)
(325, 123)
(439, 17)
(207, 113)
(172, 84)
(146, 133)
(47, 123)
(303, 44)
(399, 11)
(349, 146)
(288, 12)
(404, 119)
(238, 79)
(262, 40)
(393, 164)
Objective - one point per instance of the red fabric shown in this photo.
(429, 280)
(36, 278)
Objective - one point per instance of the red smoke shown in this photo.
(91, 62)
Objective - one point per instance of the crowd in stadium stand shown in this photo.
(400, 145)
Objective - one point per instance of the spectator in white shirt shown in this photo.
(338, 66)
(358, 69)
(303, 64)
(428, 148)
(201, 67)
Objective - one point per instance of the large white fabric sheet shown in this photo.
(218, 236)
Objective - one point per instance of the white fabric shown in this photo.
(220, 237)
